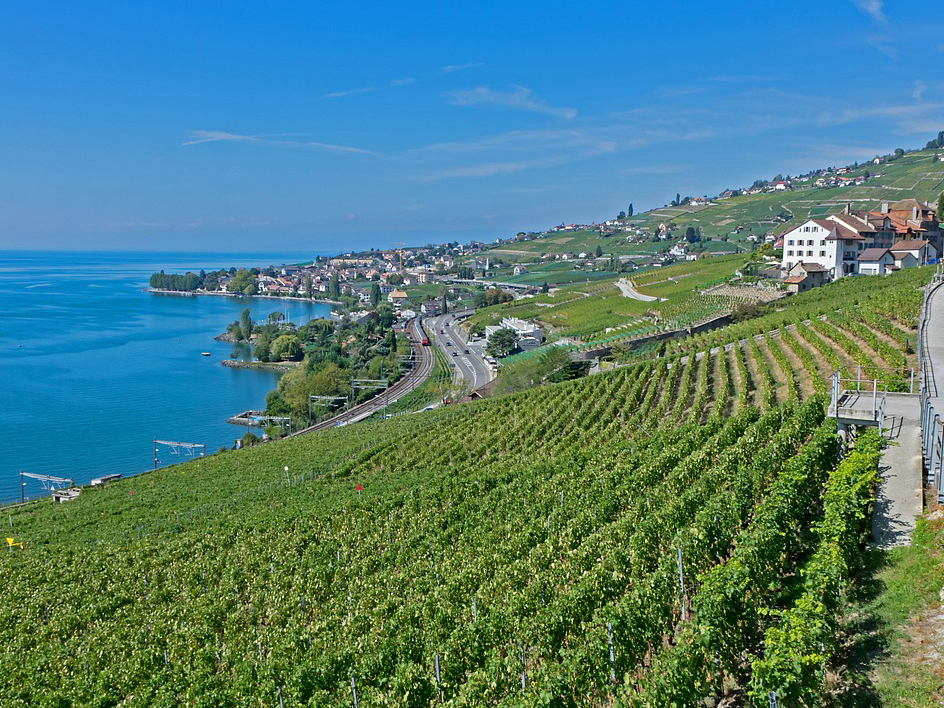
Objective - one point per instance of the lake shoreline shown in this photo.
(197, 293)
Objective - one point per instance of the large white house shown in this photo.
(836, 242)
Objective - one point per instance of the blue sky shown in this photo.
(212, 125)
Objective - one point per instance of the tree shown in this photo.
(334, 287)
(286, 348)
(263, 350)
(502, 342)
(243, 282)
(621, 216)
(545, 288)
(630, 212)
(375, 294)
(940, 207)
(245, 323)
(599, 251)
(276, 318)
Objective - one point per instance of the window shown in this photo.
(790, 242)
(810, 242)
(809, 253)
(822, 254)
(789, 253)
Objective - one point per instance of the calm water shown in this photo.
(92, 369)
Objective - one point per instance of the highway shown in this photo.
(470, 364)
(422, 367)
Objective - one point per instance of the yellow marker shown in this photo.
(11, 544)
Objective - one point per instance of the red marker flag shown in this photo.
(358, 487)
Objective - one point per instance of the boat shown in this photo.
(204, 353)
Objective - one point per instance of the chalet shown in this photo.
(519, 270)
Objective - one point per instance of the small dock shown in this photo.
(253, 419)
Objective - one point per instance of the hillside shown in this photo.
(522, 550)
(918, 174)
(599, 312)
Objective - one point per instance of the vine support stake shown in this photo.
(438, 683)
(281, 705)
(681, 582)
(354, 691)
(609, 632)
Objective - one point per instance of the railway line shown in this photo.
(423, 358)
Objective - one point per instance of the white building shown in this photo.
(834, 243)
(529, 334)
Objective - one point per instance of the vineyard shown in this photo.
(616, 540)
(587, 311)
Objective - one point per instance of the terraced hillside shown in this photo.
(588, 311)
(525, 550)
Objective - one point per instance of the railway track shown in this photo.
(423, 358)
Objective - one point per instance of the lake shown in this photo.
(92, 369)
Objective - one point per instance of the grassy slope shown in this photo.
(894, 625)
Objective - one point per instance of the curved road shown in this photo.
(422, 367)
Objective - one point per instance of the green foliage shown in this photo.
(557, 512)
(796, 650)
(286, 348)
(243, 282)
(534, 370)
(502, 342)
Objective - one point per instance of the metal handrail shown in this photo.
(932, 428)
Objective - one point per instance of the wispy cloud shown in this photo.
(197, 137)
(350, 92)
(406, 81)
(872, 8)
(519, 97)
(492, 169)
(881, 45)
(907, 116)
(451, 68)
(919, 89)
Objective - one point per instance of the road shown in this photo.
(422, 368)
(469, 358)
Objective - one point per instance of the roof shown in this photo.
(845, 230)
(794, 279)
(909, 245)
(907, 204)
(872, 254)
(812, 267)
(398, 293)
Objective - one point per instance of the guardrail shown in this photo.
(932, 427)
